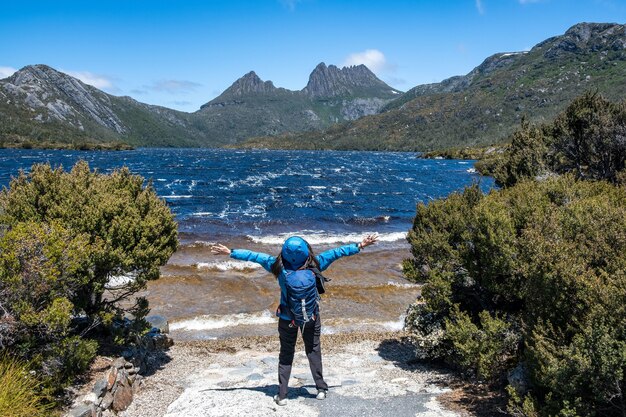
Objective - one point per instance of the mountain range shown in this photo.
(339, 108)
(486, 105)
(39, 103)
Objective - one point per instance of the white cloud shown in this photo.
(174, 86)
(290, 4)
(371, 58)
(6, 72)
(480, 7)
(92, 79)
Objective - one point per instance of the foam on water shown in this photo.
(227, 266)
(326, 238)
(402, 284)
(119, 281)
(211, 322)
(342, 326)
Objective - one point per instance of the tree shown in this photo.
(532, 275)
(64, 236)
(131, 231)
(588, 138)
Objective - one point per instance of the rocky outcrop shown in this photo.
(249, 84)
(585, 38)
(330, 81)
(115, 391)
(54, 95)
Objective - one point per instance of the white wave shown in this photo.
(174, 196)
(119, 281)
(471, 170)
(316, 187)
(395, 325)
(200, 244)
(402, 284)
(203, 214)
(324, 238)
(352, 325)
(212, 321)
(227, 266)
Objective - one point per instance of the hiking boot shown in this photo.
(321, 394)
(278, 401)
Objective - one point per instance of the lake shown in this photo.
(255, 199)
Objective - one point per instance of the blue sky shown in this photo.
(181, 54)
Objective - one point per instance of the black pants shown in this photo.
(288, 336)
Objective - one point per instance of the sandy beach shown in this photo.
(369, 374)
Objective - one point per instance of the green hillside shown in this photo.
(487, 104)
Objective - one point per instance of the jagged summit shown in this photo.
(249, 83)
(585, 38)
(331, 81)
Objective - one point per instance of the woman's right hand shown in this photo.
(219, 249)
(368, 240)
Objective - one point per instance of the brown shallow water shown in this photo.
(205, 296)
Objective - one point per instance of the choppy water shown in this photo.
(255, 199)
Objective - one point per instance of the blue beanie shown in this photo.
(295, 251)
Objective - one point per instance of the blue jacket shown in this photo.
(266, 261)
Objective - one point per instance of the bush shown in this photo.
(534, 273)
(130, 230)
(18, 396)
(587, 139)
(65, 234)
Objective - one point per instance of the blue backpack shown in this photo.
(302, 296)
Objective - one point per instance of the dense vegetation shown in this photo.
(528, 283)
(587, 138)
(64, 237)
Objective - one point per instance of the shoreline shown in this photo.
(368, 373)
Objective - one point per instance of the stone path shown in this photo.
(364, 380)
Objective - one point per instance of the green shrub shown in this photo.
(587, 139)
(64, 235)
(130, 230)
(535, 273)
(19, 391)
(485, 347)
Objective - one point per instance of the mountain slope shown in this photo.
(38, 103)
(252, 107)
(487, 104)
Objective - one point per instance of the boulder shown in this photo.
(111, 378)
(83, 410)
(107, 400)
(100, 387)
(159, 322)
(162, 341)
(122, 397)
(518, 379)
(119, 363)
(90, 398)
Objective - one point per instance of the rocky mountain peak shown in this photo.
(331, 81)
(53, 95)
(248, 84)
(586, 37)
